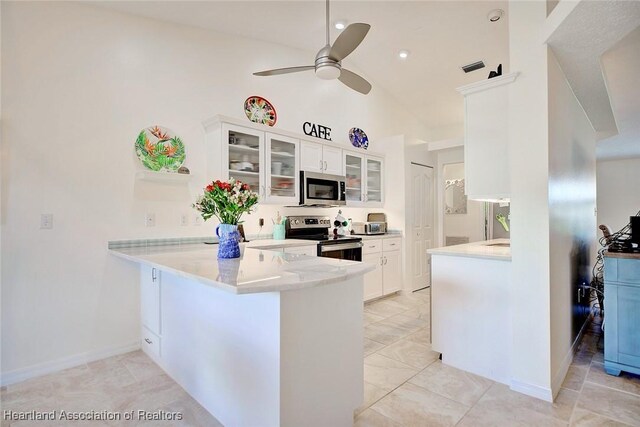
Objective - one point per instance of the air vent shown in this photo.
(473, 66)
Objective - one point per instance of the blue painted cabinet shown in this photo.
(622, 314)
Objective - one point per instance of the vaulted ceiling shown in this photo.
(440, 35)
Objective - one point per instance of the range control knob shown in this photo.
(296, 221)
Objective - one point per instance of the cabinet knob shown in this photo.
(154, 275)
(325, 165)
(320, 164)
(148, 341)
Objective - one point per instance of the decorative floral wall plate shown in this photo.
(358, 138)
(160, 150)
(259, 110)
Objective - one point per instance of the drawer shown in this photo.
(394, 244)
(372, 246)
(150, 343)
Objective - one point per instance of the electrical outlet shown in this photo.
(46, 221)
(184, 220)
(261, 222)
(150, 219)
(197, 220)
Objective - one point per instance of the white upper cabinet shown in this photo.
(486, 155)
(332, 158)
(283, 172)
(243, 156)
(365, 179)
(311, 157)
(316, 157)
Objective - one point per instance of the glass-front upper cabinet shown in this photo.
(374, 180)
(355, 174)
(243, 156)
(283, 172)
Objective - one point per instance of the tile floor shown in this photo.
(405, 385)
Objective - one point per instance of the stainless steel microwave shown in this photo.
(320, 189)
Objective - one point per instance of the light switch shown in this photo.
(46, 221)
(197, 219)
(184, 220)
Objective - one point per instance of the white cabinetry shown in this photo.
(316, 157)
(150, 311)
(386, 255)
(365, 179)
(283, 169)
(267, 161)
(486, 155)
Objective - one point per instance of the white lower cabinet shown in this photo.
(303, 250)
(373, 279)
(150, 310)
(386, 255)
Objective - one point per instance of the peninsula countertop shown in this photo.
(497, 249)
(257, 270)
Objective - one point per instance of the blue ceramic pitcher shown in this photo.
(228, 238)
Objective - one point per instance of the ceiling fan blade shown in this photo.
(287, 70)
(348, 41)
(354, 81)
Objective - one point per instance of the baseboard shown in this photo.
(532, 390)
(560, 375)
(18, 375)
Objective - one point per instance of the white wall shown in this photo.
(618, 195)
(76, 93)
(572, 203)
(529, 161)
(469, 225)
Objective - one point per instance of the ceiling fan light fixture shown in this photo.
(403, 54)
(340, 25)
(328, 71)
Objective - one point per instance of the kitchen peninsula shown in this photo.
(470, 307)
(269, 339)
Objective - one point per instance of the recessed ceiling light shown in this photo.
(403, 54)
(495, 15)
(340, 25)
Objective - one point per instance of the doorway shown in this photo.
(422, 233)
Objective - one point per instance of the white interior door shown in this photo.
(421, 225)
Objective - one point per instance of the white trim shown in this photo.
(559, 377)
(532, 390)
(33, 371)
(487, 84)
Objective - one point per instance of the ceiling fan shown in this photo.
(328, 63)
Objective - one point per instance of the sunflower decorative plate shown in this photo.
(259, 110)
(358, 138)
(160, 150)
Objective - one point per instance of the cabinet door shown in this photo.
(391, 272)
(311, 157)
(282, 169)
(373, 279)
(332, 159)
(150, 298)
(622, 336)
(354, 171)
(375, 181)
(243, 156)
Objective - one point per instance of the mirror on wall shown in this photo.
(455, 201)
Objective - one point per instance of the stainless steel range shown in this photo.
(318, 228)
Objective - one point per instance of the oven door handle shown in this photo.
(339, 247)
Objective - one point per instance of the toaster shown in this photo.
(369, 227)
(376, 224)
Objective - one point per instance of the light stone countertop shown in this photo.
(379, 236)
(477, 250)
(257, 270)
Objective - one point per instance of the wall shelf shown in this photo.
(166, 177)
